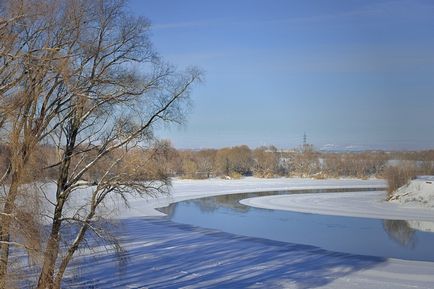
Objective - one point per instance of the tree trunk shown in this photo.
(6, 221)
(52, 250)
(69, 255)
(50, 255)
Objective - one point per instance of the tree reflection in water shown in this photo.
(365, 236)
(211, 204)
(400, 231)
(231, 201)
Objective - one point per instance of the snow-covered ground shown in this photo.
(413, 202)
(162, 254)
(352, 204)
(417, 193)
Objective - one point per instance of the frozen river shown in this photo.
(363, 236)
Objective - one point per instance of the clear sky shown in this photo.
(348, 73)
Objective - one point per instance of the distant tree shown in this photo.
(238, 160)
(360, 165)
(242, 160)
(304, 162)
(222, 162)
(266, 161)
(205, 162)
(190, 168)
(198, 164)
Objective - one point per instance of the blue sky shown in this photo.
(348, 73)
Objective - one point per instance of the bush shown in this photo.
(235, 175)
(319, 176)
(397, 176)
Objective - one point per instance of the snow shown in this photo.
(417, 193)
(413, 202)
(162, 254)
(421, 225)
(191, 189)
(352, 204)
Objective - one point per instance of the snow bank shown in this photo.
(421, 226)
(352, 204)
(417, 193)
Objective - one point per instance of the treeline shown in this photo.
(423, 155)
(269, 162)
(162, 160)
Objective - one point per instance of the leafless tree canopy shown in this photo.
(81, 92)
(82, 78)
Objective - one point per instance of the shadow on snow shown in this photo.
(163, 254)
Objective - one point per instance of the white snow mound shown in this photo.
(417, 193)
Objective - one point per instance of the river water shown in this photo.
(363, 236)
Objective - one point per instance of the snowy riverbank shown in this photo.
(162, 254)
(191, 189)
(353, 204)
(413, 203)
(418, 193)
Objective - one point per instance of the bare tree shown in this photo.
(30, 97)
(117, 91)
(266, 162)
(82, 76)
(234, 161)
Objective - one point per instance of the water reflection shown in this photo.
(400, 231)
(375, 237)
(231, 201)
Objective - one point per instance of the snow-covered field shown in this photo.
(162, 254)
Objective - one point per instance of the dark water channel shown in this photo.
(374, 237)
